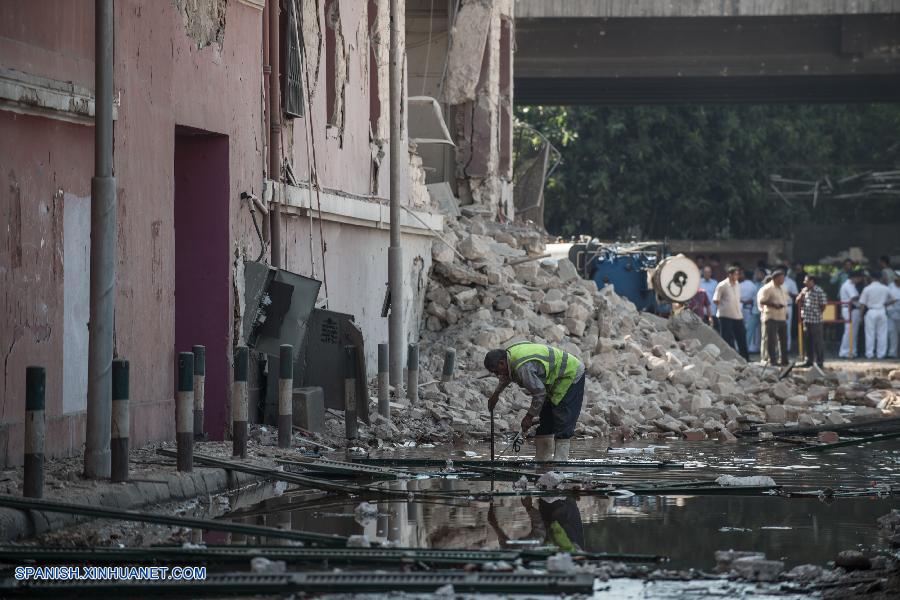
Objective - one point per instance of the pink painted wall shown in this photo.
(163, 78)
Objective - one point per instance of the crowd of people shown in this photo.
(759, 310)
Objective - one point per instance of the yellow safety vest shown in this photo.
(560, 367)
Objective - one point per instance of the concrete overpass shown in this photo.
(687, 51)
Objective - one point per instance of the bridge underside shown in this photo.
(712, 59)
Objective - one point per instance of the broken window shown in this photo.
(292, 74)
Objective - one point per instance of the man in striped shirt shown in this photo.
(812, 304)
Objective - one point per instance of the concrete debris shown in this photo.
(853, 560)
(647, 377)
(752, 481)
(521, 484)
(758, 569)
(725, 558)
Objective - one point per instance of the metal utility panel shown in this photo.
(323, 362)
(278, 305)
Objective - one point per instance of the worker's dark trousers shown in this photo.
(776, 339)
(733, 332)
(814, 338)
(564, 512)
(559, 420)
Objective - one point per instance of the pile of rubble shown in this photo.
(647, 376)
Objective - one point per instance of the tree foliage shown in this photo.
(702, 172)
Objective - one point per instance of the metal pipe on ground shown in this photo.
(121, 423)
(350, 408)
(148, 517)
(397, 152)
(384, 397)
(199, 390)
(35, 386)
(285, 395)
(412, 373)
(449, 365)
(103, 254)
(239, 403)
(274, 9)
(184, 412)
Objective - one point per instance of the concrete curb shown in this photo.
(17, 524)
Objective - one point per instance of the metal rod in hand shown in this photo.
(384, 397)
(199, 390)
(121, 422)
(285, 395)
(350, 393)
(35, 384)
(492, 436)
(239, 406)
(412, 373)
(449, 365)
(184, 412)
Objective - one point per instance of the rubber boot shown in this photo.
(561, 453)
(543, 448)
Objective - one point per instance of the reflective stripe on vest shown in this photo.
(559, 366)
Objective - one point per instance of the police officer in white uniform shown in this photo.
(875, 299)
(850, 293)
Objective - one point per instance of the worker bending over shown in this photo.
(555, 380)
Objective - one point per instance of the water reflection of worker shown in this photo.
(556, 523)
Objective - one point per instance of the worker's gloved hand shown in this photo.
(527, 421)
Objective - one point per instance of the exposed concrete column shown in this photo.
(103, 254)
(274, 11)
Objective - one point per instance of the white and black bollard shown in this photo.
(285, 395)
(384, 394)
(412, 373)
(121, 423)
(350, 394)
(239, 402)
(184, 412)
(449, 365)
(199, 390)
(35, 385)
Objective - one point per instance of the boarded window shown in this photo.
(292, 80)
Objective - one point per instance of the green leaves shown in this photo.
(703, 171)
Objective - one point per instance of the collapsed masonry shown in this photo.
(646, 376)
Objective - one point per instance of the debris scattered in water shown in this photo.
(365, 512)
(752, 481)
(358, 541)
(261, 564)
(521, 484)
(561, 563)
(550, 480)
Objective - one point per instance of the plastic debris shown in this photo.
(359, 541)
(561, 563)
(550, 480)
(365, 512)
(261, 564)
(752, 481)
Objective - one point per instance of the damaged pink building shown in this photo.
(192, 136)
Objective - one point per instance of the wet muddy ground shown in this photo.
(688, 529)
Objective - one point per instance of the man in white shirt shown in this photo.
(773, 300)
(850, 313)
(893, 315)
(875, 299)
(749, 287)
(708, 285)
(727, 297)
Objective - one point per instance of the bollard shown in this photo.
(121, 424)
(285, 395)
(350, 393)
(384, 396)
(184, 412)
(35, 384)
(239, 408)
(412, 373)
(449, 364)
(199, 390)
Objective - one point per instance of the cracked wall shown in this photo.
(204, 20)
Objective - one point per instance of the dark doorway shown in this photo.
(202, 286)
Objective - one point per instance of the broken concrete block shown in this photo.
(853, 560)
(475, 247)
(756, 569)
(775, 414)
(726, 436)
(724, 558)
(308, 408)
(551, 307)
(687, 325)
(782, 391)
(441, 252)
(566, 271)
(694, 435)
